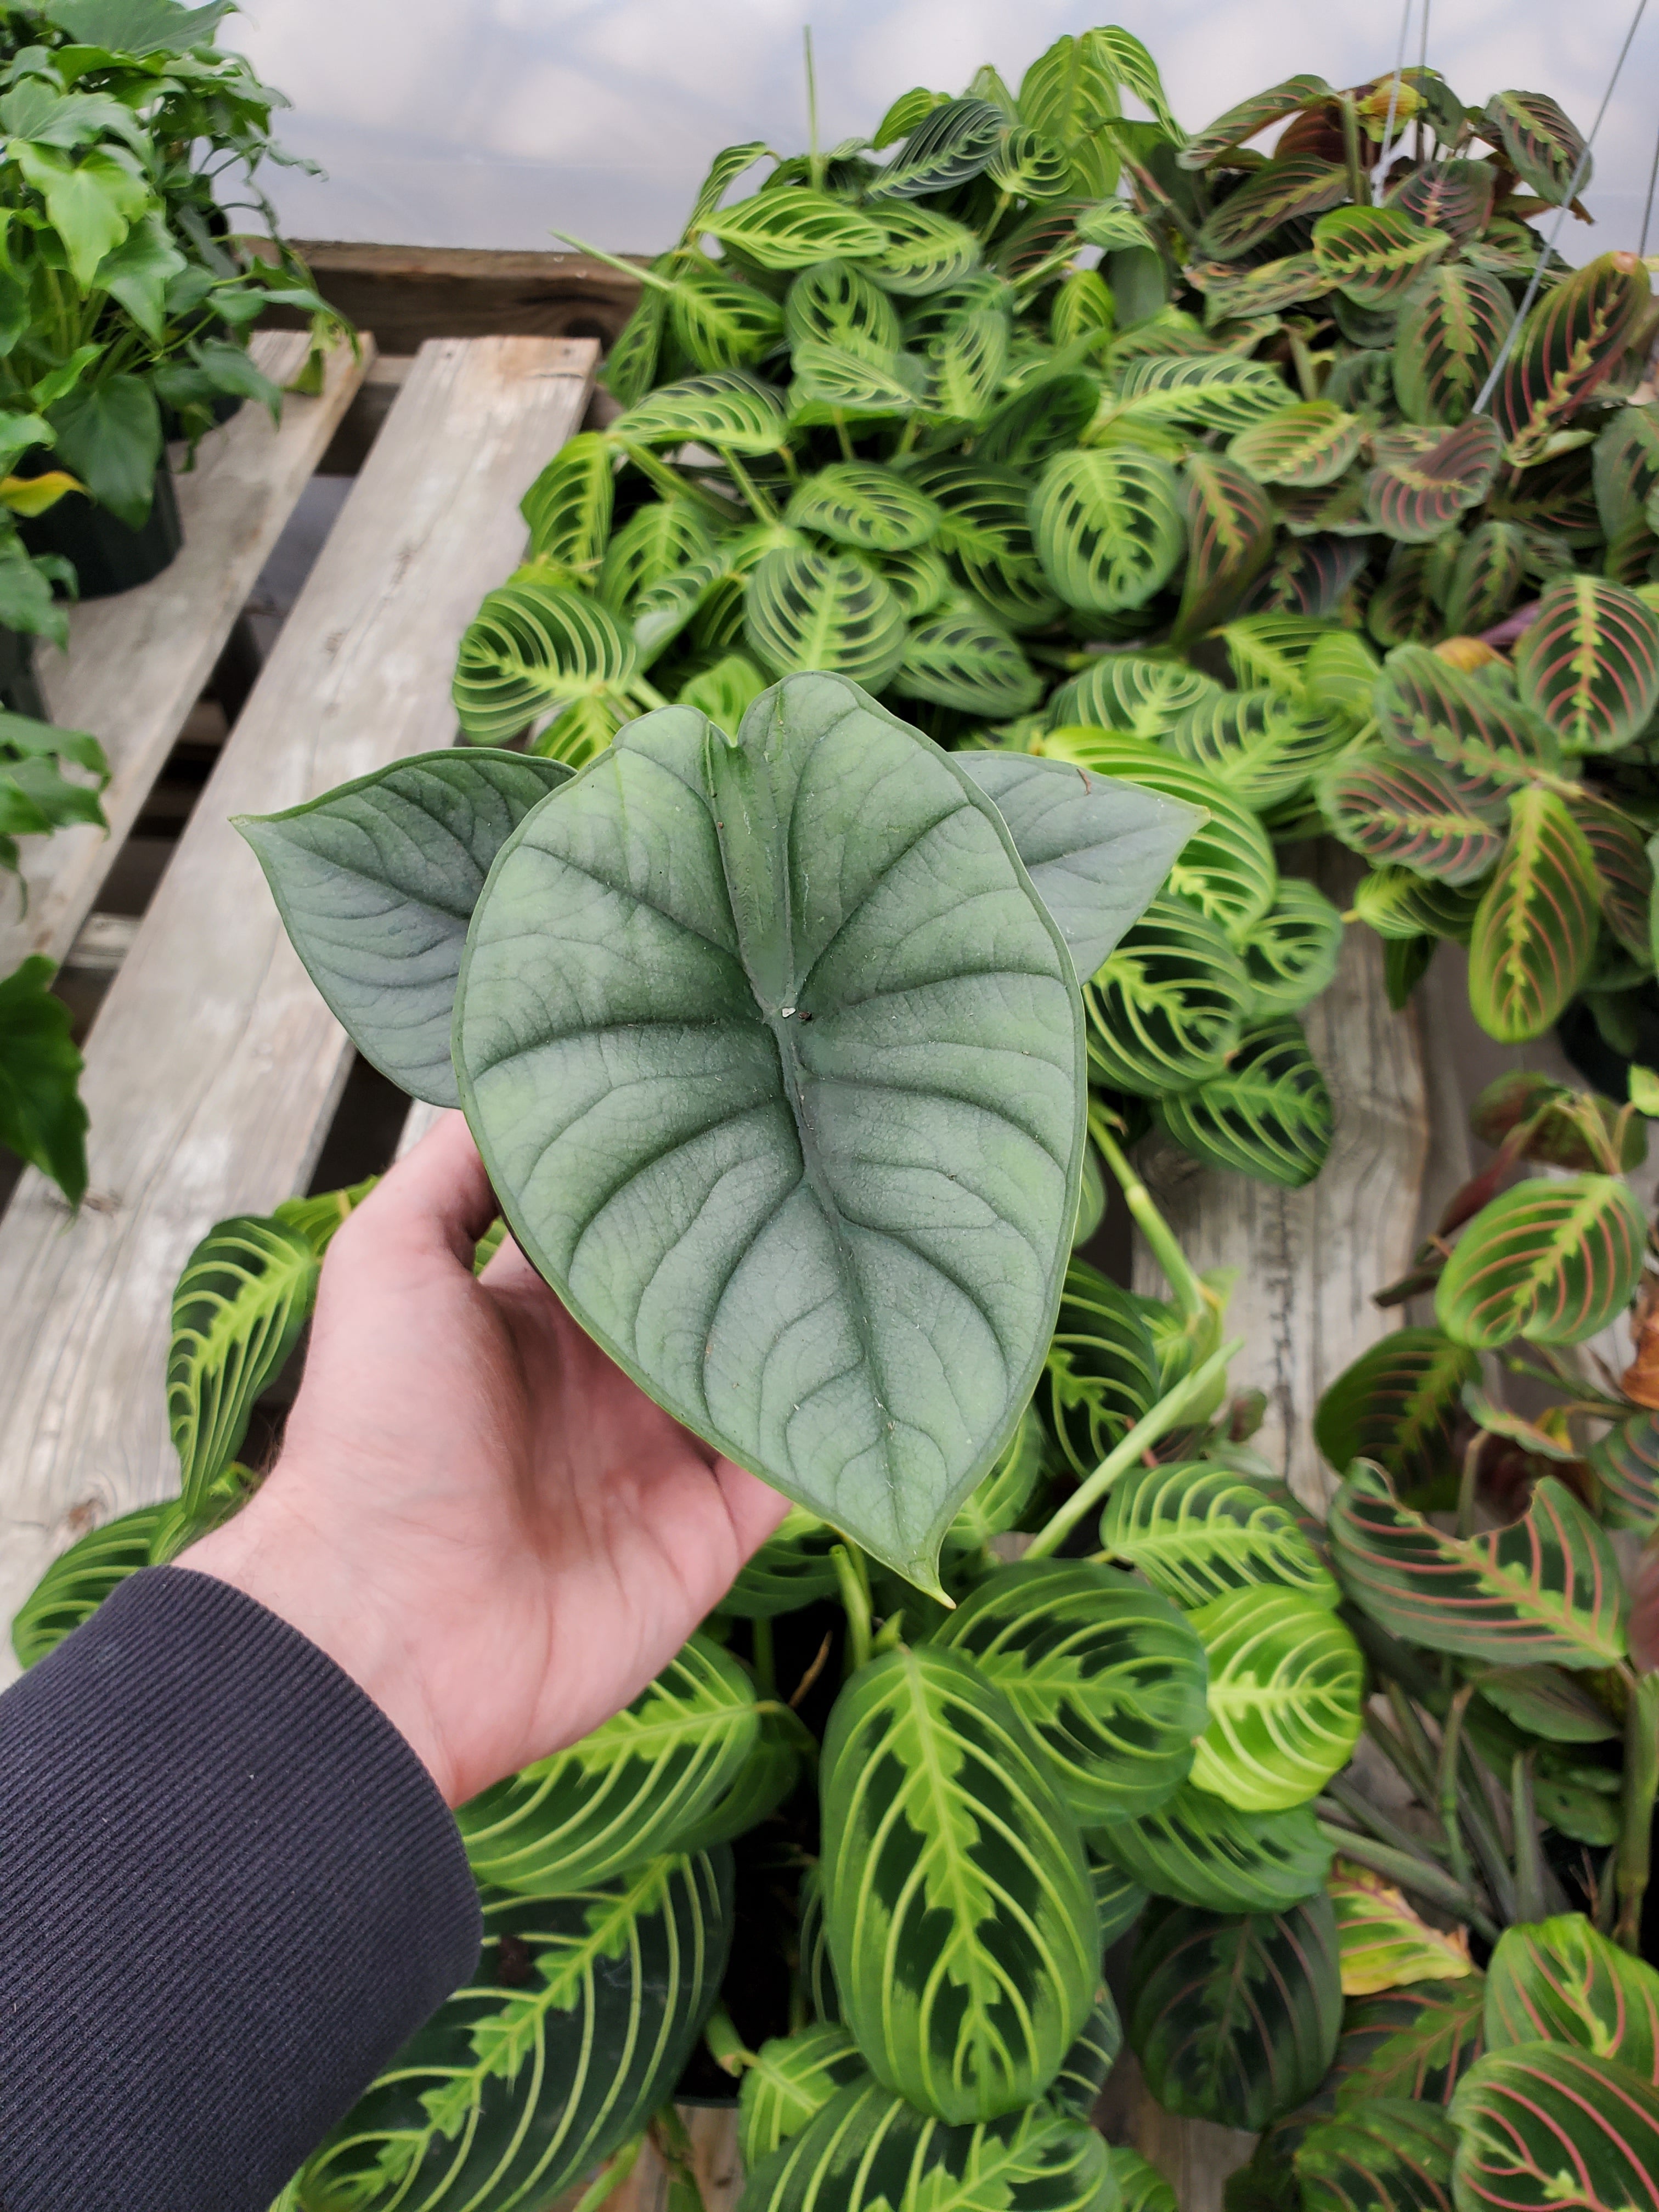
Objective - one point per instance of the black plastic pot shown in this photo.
(107, 556)
(20, 687)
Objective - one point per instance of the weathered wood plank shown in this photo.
(213, 1063)
(137, 663)
(407, 294)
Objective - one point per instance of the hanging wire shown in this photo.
(1380, 170)
(1547, 250)
(1647, 211)
(1422, 76)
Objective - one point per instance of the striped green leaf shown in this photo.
(1544, 145)
(1204, 391)
(568, 506)
(1589, 664)
(1076, 2088)
(1545, 1702)
(1573, 340)
(951, 146)
(78, 1580)
(1232, 290)
(1230, 529)
(838, 303)
(957, 658)
(830, 383)
(1263, 746)
(1455, 196)
(1626, 1463)
(1041, 418)
(1118, 1900)
(1543, 1590)
(1551, 1260)
(817, 611)
(1450, 331)
(1371, 254)
(1095, 849)
(1235, 2017)
(245, 1293)
(1558, 1981)
(630, 367)
(1414, 2042)
(1071, 92)
(1108, 1677)
(1225, 870)
(1109, 527)
(818, 1975)
(1167, 1008)
(1199, 1849)
(1029, 164)
(1398, 905)
(1290, 955)
(1385, 1944)
(1534, 929)
(1544, 2128)
(657, 540)
(966, 362)
(720, 323)
(1427, 707)
(869, 509)
(792, 1568)
(1400, 1403)
(1268, 1113)
(376, 882)
(724, 692)
(923, 250)
(788, 2081)
(1412, 813)
(1129, 694)
(1295, 184)
(1623, 871)
(940, 1826)
(531, 649)
(1140, 2186)
(793, 228)
(761, 1785)
(1101, 1374)
(1251, 115)
(1199, 1532)
(1404, 610)
(997, 1505)
(868, 2151)
(1487, 578)
(726, 409)
(1389, 2155)
(919, 580)
(985, 533)
(1425, 479)
(1307, 444)
(626, 1791)
(1284, 1695)
(1625, 467)
(581, 2014)
(727, 166)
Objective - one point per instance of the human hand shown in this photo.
(476, 1513)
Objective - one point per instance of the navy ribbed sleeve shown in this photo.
(228, 1891)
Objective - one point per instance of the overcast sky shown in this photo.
(490, 122)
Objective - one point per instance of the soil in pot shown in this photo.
(106, 556)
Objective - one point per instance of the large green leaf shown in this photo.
(1290, 955)
(720, 323)
(1450, 329)
(1425, 479)
(633, 1787)
(1167, 1008)
(1108, 1677)
(1427, 707)
(534, 649)
(957, 1898)
(1202, 1851)
(1284, 1693)
(1534, 930)
(1109, 527)
(575, 2026)
(1235, 2018)
(1199, 1531)
(1204, 391)
(1389, 2155)
(1558, 1981)
(1589, 664)
(1544, 1589)
(1572, 341)
(1095, 849)
(868, 2151)
(1553, 1261)
(793, 228)
(1542, 2127)
(817, 611)
(789, 2079)
(1400, 1403)
(657, 540)
(78, 1580)
(41, 1117)
(1268, 1113)
(569, 506)
(726, 409)
(376, 883)
(1413, 814)
(245, 1293)
(837, 303)
(723, 1193)
(924, 251)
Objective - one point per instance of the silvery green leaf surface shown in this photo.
(727, 1006)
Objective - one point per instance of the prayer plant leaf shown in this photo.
(1199, 1849)
(1108, 526)
(1294, 185)
(1198, 1532)
(1424, 481)
(1450, 331)
(1167, 1006)
(569, 506)
(1413, 2043)
(1589, 664)
(1262, 745)
(1235, 2017)
(1552, 1260)
(817, 610)
(869, 509)
(1290, 955)
(1574, 339)
(1268, 1113)
(376, 883)
(1118, 1900)
(1102, 1371)
(794, 227)
(1140, 2186)
(788, 2081)
(1401, 1404)
(1542, 2127)
(1389, 2156)
(1543, 145)
(1383, 1942)
(1285, 1696)
(1534, 930)
(630, 1789)
(950, 145)
(1412, 813)
(1371, 254)
(958, 658)
(729, 1197)
(941, 1822)
(575, 2026)
(1428, 709)
(1095, 849)
(1558, 1981)
(532, 649)
(726, 409)
(1307, 444)
(792, 1568)
(1076, 2088)
(1251, 115)
(1626, 1463)
(923, 250)
(1545, 1589)
(1109, 1677)
(78, 1580)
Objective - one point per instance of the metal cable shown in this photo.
(1381, 168)
(1647, 211)
(1422, 72)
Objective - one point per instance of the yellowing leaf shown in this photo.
(34, 495)
(1383, 1943)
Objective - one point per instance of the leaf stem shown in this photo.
(1123, 1455)
(1413, 1873)
(766, 1671)
(1195, 1302)
(1528, 1860)
(1358, 191)
(854, 1578)
(1359, 1807)
(763, 509)
(1636, 1830)
(610, 2177)
(1451, 1737)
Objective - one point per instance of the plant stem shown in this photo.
(1360, 1808)
(766, 1672)
(1451, 1737)
(610, 2177)
(1190, 1295)
(854, 1582)
(1416, 1742)
(1636, 1830)
(1466, 1483)
(1358, 191)
(1528, 1862)
(1413, 1873)
(763, 509)
(1123, 1455)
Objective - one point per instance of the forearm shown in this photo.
(228, 1891)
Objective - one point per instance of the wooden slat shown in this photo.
(137, 663)
(213, 1065)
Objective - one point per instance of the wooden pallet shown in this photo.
(213, 1067)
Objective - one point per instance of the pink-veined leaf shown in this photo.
(1591, 663)
(1307, 443)
(1412, 813)
(1251, 115)
(1385, 1944)
(1426, 707)
(1423, 482)
(1622, 869)
(1553, 1260)
(1301, 184)
(1575, 338)
(1542, 2127)
(1534, 930)
(1455, 196)
(1371, 254)
(1230, 535)
(1543, 143)
(1238, 294)
(1398, 1404)
(1450, 334)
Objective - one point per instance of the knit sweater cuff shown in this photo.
(228, 1893)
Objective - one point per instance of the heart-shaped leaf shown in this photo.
(1551, 1260)
(1263, 745)
(1574, 339)
(1389, 2156)
(1108, 1677)
(1371, 254)
(1542, 2127)
(78, 1580)
(1545, 1589)
(1384, 1943)
(950, 145)
(1167, 1007)
(870, 509)
(574, 2027)
(1558, 1981)
(1230, 527)
(817, 611)
(1284, 1697)
(868, 2151)
(813, 1257)
(1268, 1113)
(624, 1792)
(534, 649)
(1400, 1403)
(1412, 813)
(1109, 527)
(1543, 143)
(1423, 482)
(793, 228)
(958, 659)
(924, 251)
(568, 506)
(729, 408)
(1307, 444)
(376, 883)
(1295, 94)
(1102, 1372)
(1290, 955)
(1235, 2017)
(938, 1824)
(1294, 185)
(1450, 331)
(1625, 1463)
(1203, 1851)
(1589, 664)
(1534, 930)
(1199, 1532)
(1096, 850)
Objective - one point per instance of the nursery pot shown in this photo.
(108, 557)
(20, 687)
